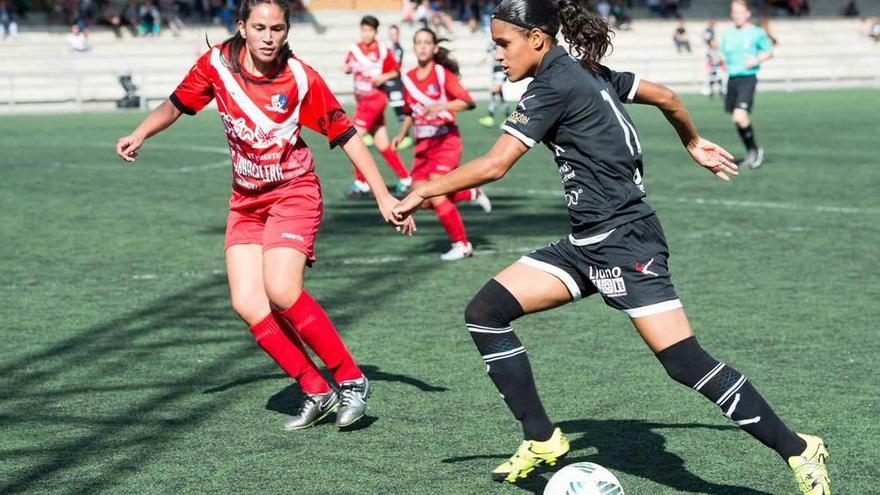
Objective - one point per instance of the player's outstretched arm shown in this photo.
(157, 121)
(706, 153)
(488, 168)
(362, 160)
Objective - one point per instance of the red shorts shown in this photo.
(287, 216)
(436, 156)
(369, 112)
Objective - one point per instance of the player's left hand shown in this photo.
(713, 157)
(751, 62)
(406, 226)
(433, 109)
(407, 206)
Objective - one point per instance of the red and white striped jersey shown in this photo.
(367, 62)
(440, 86)
(262, 117)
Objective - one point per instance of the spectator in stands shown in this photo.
(681, 38)
(8, 26)
(709, 33)
(873, 28)
(170, 12)
(851, 9)
(603, 9)
(657, 7)
(128, 18)
(671, 8)
(149, 19)
(78, 39)
(619, 19)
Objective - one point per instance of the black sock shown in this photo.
(488, 318)
(687, 363)
(747, 134)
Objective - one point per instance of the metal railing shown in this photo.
(790, 73)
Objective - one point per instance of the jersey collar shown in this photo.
(551, 57)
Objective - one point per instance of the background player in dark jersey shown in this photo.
(394, 88)
(616, 246)
(496, 96)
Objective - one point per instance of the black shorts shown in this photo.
(740, 93)
(627, 266)
(394, 89)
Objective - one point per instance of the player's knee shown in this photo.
(492, 307)
(251, 308)
(282, 294)
(686, 362)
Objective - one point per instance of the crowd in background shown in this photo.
(150, 17)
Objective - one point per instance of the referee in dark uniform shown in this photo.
(616, 247)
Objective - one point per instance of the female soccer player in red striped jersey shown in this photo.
(264, 95)
(373, 64)
(433, 95)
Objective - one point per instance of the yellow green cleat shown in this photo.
(809, 467)
(530, 455)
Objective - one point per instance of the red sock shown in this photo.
(449, 217)
(315, 329)
(290, 355)
(395, 162)
(463, 195)
(359, 176)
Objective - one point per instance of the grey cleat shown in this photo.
(315, 407)
(756, 158)
(353, 402)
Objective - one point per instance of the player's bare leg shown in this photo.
(519, 289)
(669, 335)
(383, 146)
(244, 266)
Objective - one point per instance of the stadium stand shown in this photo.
(41, 71)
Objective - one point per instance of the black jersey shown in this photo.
(581, 119)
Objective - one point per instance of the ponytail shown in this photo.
(444, 55)
(236, 43)
(588, 35)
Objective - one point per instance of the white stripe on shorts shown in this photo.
(556, 272)
(653, 309)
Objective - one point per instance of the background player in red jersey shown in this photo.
(373, 64)
(264, 95)
(433, 95)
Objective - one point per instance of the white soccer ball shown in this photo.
(583, 478)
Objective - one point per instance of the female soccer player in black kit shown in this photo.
(616, 246)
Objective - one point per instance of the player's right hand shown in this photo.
(127, 147)
(396, 141)
(407, 206)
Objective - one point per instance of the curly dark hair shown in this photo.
(588, 35)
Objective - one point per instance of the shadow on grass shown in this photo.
(628, 446)
(91, 447)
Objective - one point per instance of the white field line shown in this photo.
(728, 203)
(121, 166)
(375, 260)
(350, 261)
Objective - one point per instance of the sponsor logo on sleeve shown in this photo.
(518, 118)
